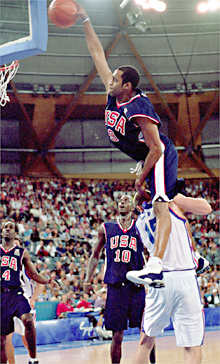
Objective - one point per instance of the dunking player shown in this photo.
(133, 127)
(13, 302)
(124, 251)
(180, 298)
(31, 292)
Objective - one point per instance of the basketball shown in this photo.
(63, 13)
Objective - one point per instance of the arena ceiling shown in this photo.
(177, 54)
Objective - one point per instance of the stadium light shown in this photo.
(157, 5)
(208, 6)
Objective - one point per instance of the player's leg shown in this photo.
(162, 182)
(116, 317)
(153, 355)
(23, 310)
(145, 346)
(30, 334)
(192, 355)
(3, 350)
(188, 316)
(7, 323)
(10, 349)
(25, 342)
(117, 337)
(163, 227)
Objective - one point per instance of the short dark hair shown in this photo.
(130, 74)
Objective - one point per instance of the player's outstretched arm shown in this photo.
(95, 48)
(197, 206)
(31, 270)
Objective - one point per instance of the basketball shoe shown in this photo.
(151, 275)
(33, 361)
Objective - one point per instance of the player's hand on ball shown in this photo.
(82, 14)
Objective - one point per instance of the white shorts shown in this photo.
(180, 301)
(19, 326)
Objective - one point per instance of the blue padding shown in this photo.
(27, 46)
(212, 316)
(46, 310)
(79, 328)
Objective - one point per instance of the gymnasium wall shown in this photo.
(88, 134)
(78, 327)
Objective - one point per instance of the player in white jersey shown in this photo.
(31, 292)
(180, 299)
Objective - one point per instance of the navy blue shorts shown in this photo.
(163, 176)
(124, 306)
(13, 304)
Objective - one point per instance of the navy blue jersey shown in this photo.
(124, 251)
(11, 266)
(122, 130)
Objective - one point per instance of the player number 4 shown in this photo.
(6, 275)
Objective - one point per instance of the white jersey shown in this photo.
(28, 289)
(180, 299)
(179, 253)
(26, 284)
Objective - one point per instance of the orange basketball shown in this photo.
(63, 13)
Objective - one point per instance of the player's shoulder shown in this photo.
(139, 105)
(139, 98)
(110, 223)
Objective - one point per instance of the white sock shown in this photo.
(32, 360)
(153, 260)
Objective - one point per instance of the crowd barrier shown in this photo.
(78, 326)
(46, 310)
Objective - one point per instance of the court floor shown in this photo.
(89, 353)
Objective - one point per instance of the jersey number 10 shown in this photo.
(123, 256)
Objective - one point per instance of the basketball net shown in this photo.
(6, 75)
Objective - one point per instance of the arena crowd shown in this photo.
(58, 222)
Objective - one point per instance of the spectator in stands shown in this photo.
(51, 249)
(101, 298)
(75, 206)
(64, 306)
(41, 250)
(35, 237)
(60, 250)
(84, 301)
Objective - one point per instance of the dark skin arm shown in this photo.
(31, 270)
(94, 259)
(95, 49)
(152, 140)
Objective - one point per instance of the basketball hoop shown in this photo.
(6, 75)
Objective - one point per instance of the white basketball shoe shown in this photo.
(151, 275)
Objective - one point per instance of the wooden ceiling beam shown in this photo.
(207, 116)
(50, 166)
(33, 134)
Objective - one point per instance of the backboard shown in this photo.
(23, 29)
